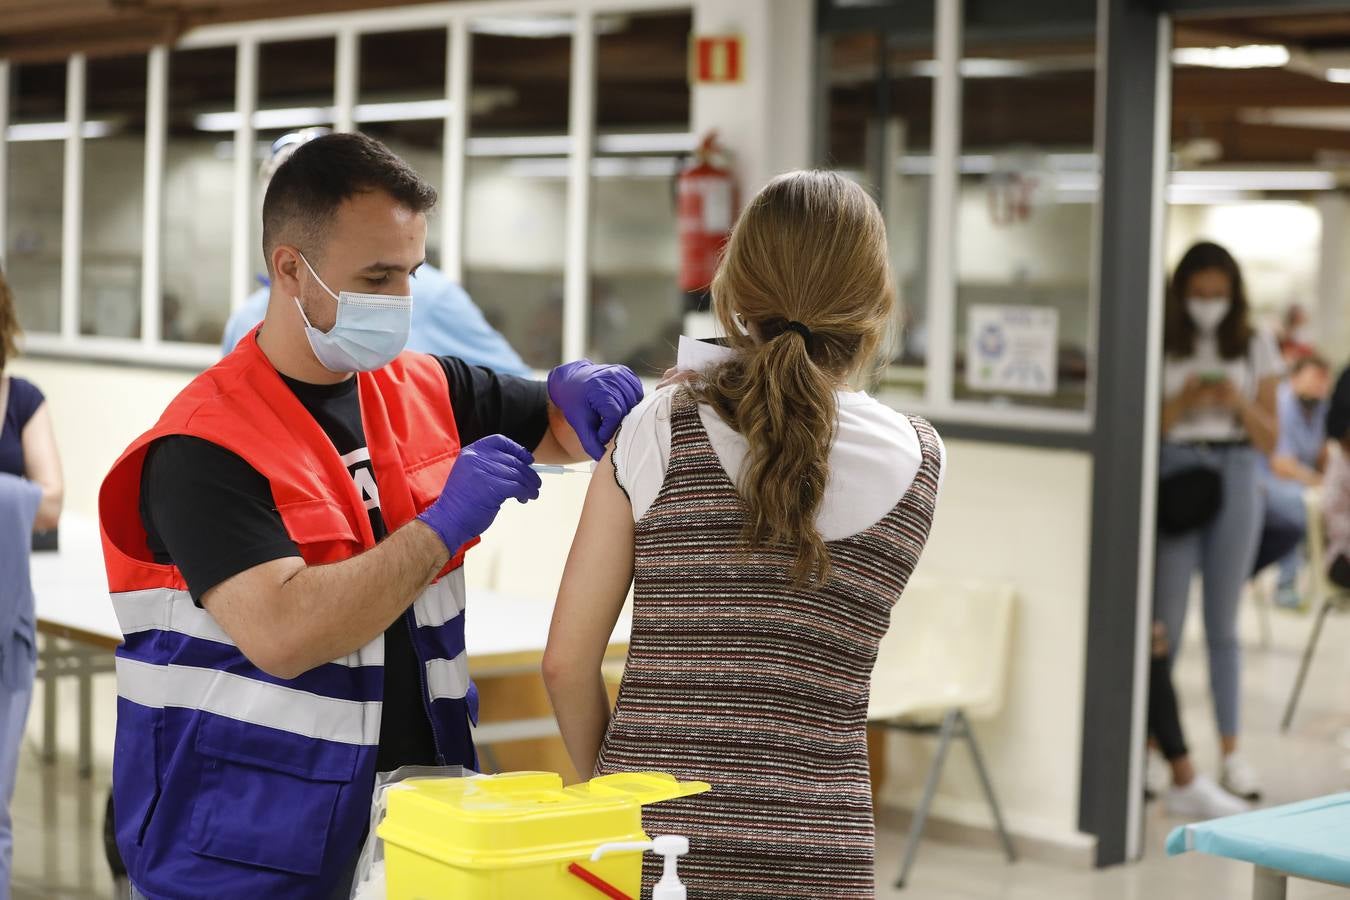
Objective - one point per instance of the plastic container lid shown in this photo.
(522, 818)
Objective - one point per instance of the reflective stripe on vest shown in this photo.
(448, 679)
(441, 601)
(151, 672)
(166, 609)
(249, 700)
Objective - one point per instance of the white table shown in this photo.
(78, 627)
(504, 634)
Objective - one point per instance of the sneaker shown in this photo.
(1202, 799)
(1287, 597)
(1240, 779)
(1156, 776)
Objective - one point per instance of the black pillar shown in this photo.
(1134, 106)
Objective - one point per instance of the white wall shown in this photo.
(1018, 516)
(765, 120)
(97, 411)
(1331, 320)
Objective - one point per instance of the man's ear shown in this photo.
(286, 265)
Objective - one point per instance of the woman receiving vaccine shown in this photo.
(1218, 418)
(768, 515)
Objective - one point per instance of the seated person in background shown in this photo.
(1295, 466)
(1296, 335)
(1336, 486)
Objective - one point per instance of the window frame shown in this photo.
(980, 418)
(346, 29)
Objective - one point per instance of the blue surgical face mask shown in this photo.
(370, 330)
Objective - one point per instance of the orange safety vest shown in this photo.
(228, 781)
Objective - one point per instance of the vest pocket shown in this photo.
(317, 526)
(136, 786)
(267, 798)
(427, 477)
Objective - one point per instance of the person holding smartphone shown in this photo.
(1220, 377)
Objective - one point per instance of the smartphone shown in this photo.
(1210, 379)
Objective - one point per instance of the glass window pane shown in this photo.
(296, 84)
(852, 65)
(642, 91)
(905, 146)
(879, 132)
(36, 185)
(1025, 220)
(515, 204)
(401, 101)
(198, 195)
(114, 183)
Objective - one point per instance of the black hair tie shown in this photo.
(800, 329)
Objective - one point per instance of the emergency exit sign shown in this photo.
(717, 59)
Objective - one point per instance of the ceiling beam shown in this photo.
(1267, 144)
(1231, 8)
(128, 35)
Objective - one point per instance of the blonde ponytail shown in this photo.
(806, 270)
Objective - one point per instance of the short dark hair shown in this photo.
(307, 189)
(1179, 332)
(1310, 361)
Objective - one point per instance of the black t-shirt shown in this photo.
(184, 476)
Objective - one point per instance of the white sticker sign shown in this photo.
(1012, 349)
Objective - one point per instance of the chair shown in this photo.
(1325, 595)
(942, 663)
(1262, 590)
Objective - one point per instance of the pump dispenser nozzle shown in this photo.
(671, 848)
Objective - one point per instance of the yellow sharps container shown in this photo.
(516, 836)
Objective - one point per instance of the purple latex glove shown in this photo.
(488, 473)
(594, 399)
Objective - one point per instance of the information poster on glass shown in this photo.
(1012, 349)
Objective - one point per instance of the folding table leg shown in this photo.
(49, 673)
(86, 682)
(1269, 884)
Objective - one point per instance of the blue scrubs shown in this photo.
(1302, 434)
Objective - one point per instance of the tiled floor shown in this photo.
(58, 816)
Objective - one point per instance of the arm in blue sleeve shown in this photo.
(446, 322)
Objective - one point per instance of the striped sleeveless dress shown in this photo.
(738, 679)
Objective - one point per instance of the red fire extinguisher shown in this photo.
(705, 202)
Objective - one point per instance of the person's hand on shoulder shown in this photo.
(595, 399)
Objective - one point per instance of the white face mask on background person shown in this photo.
(369, 331)
(1208, 312)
